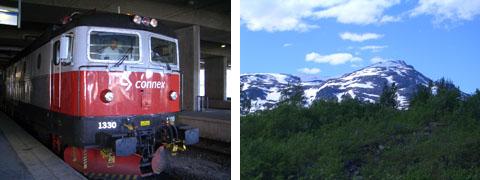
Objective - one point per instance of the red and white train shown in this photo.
(103, 91)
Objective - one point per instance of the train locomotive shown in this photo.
(102, 91)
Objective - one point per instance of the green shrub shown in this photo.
(436, 138)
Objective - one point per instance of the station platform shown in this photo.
(213, 123)
(23, 157)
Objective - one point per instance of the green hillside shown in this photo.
(438, 137)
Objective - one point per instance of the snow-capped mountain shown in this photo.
(264, 89)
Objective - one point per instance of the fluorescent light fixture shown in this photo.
(8, 15)
(8, 18)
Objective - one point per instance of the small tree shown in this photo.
(293, 94)
(388, 95)
(447, 97)
(346, 97)
(245, 101)
(422, 95)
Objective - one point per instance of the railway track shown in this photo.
(213, 146)
(100, 176)
(209, 159)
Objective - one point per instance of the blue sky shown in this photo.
(440, 38)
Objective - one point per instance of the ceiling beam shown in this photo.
(214, 48)
(163, 10)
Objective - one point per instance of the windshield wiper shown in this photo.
(162, 59)
(166, 61)
(120, 62)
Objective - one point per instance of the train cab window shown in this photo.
(114, 46)
(39, 61)
(163, 51)
(56, 53)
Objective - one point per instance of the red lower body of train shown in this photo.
(133, 134)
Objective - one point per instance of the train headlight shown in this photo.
(137, 19)
(153, 22)
(145, 21)
(173, 95)
(109, 96)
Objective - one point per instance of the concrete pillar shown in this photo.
(189, 52)
(216, 78)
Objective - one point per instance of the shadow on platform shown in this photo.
(26, 158)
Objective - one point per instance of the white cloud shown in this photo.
(448, 9)
(377, 59)
(277, 15)
(358, 11)
(333, 59)
(373, 48)
(387, 18)
(359, 37)
(309, 71)
(287, 44)
(288, 15)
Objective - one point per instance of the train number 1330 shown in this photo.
(107, 125)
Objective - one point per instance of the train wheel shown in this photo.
(161, 160)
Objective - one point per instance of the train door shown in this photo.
(55, 76)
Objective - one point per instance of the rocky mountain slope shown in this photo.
(263, 90)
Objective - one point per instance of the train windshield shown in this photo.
(114, 46)
(163, 51)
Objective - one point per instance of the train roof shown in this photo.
(93, 19)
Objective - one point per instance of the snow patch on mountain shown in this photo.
(390, 79)
(391, 63)
(367, 85)
(373, 95)
(310, 94)
(274, 94)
